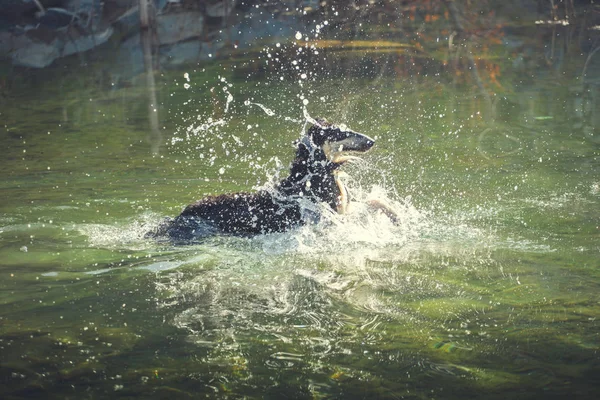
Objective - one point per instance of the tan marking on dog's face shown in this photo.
(334, 151)
(327, 149)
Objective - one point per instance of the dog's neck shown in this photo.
(311, 175)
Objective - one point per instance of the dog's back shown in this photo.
(245, 213)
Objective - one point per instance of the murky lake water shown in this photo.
(489, 287)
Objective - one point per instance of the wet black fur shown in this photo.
(279, 209)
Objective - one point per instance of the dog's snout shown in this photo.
(362, 142)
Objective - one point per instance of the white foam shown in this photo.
(129, 235)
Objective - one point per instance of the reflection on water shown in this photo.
(487, 287)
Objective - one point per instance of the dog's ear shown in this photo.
(320, 132)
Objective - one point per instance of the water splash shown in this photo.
(225, 89)
(129, 235)
(267, 111)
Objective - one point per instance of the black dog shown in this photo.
(313, 179)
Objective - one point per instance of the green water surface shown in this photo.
(489, 288)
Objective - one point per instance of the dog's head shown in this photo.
(338, 143)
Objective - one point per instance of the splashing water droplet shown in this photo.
(307, 117)
(298, 36)
(267, 111)
(229, 100)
